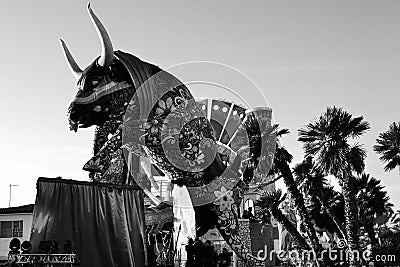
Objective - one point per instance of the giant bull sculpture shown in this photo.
(151, 113)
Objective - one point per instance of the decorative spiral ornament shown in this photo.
(341, 243)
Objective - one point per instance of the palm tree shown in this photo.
(254, 128)
(323, 202)
(327, 140)
(281, 165)
(328, 211)
(255, 141)
(392, 222)
(388, 146)
(309, 179)
(281, 154)
(372, 201)
(268, 204)
(389, 236)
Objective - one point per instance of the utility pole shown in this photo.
(11, 185)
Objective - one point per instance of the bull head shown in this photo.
(96, 83)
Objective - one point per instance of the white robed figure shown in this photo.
(184, 221)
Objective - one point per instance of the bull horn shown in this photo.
(107, 51)
(76, 71)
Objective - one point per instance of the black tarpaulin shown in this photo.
(105, 223)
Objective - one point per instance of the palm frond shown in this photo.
(372, 199)
(270, 199)
(388, 147)
(327, 140)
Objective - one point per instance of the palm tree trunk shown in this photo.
(351, 216)
(300, 206)
(369, 228)
(282, 219)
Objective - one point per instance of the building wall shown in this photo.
(27, 224)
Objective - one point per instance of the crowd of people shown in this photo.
(203, 254)
(199, 253)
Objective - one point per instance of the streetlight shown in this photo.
(11, 185)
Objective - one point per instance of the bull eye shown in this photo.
(80, 93)
(95, 82)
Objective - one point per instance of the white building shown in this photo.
(14, 222)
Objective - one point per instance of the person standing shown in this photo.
(225, 258)
(246, 215)
(198, 252)
(190, 253)
(208, 254)
(151, 256)
(252, 218)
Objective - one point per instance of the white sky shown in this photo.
(304, 55)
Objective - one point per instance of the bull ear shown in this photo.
(107, 51)
(76, 71)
